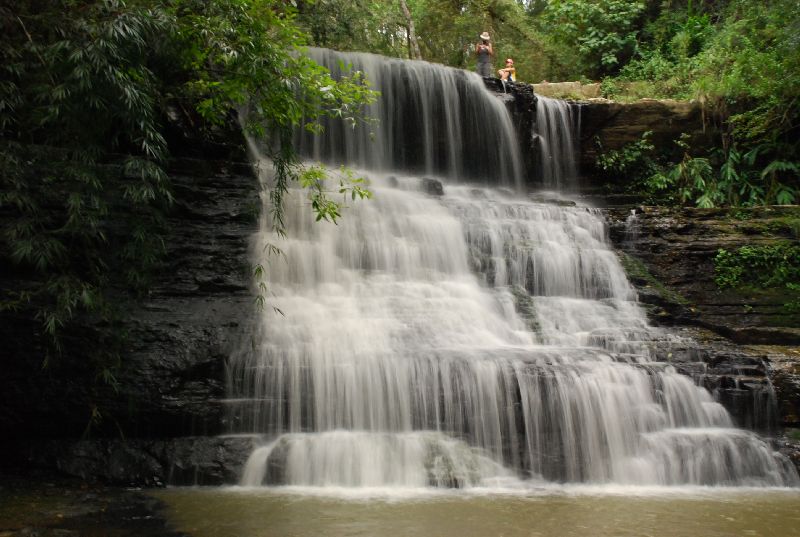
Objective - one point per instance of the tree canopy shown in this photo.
(739, 58)
(85, 89)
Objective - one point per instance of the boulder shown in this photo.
(433, 187)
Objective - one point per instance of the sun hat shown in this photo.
(485, 36)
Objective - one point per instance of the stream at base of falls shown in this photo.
(547, 512)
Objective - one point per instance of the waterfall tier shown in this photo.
(557, 125)
(432, 120)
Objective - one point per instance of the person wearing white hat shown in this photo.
(485, 52)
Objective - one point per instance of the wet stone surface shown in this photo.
(749, 358)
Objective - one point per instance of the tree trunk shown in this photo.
(413, 46)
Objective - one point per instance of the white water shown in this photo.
(467, 340)
(357, 459)
(557, 123)
(432, 120)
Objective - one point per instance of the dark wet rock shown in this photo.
(177, 339)
(538, 198)
(785, 376)
(189, 136)
(393, 182)
(139, 462)
(738, 377)
(432, 186)
(789, 445)
(506, 192)
(669, 254)
(477, 193)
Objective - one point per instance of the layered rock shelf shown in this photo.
(678, 247)
(177, 341)
(607, 125)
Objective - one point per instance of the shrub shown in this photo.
(767, 267)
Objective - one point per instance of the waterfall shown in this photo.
(555, 136)
(631, 229)
(475, 337)
(431, 120)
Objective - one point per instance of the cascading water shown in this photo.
(431, 120)
(557, 123)
(474, 338)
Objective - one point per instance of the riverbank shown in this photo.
(51, 506)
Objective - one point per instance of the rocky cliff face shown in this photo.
(678, 247)
(609, 125)
(521, 103)
(177, 341)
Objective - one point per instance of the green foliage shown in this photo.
(728, 178)
(721, 178)
(728, 269)
(773, 266)
(447, 31)
(83, 187)
(63, 180)
(792, 225)
(639, 165)
(652, 75)
(690, 179)
(610, 88)
(762, 266)
(742, 61)
(633, 159)
(357, 25)
(666, 57)
(314, 179)
(249, 53)
(604, 33)
(749, 74)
